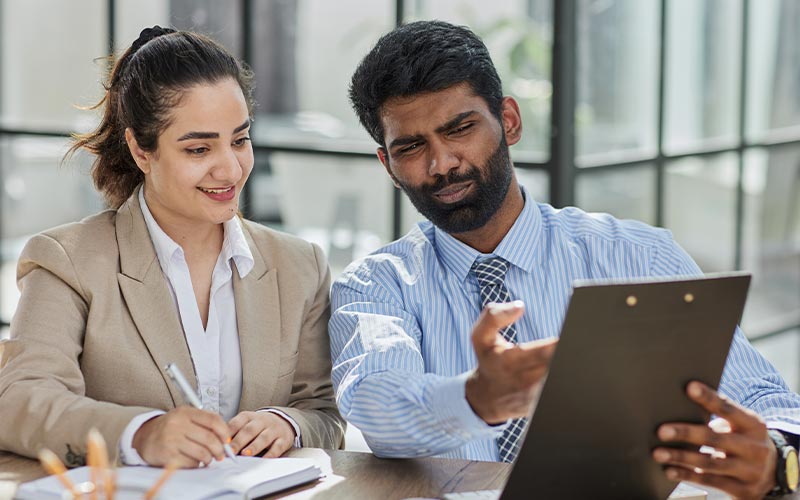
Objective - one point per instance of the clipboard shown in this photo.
(626, 352)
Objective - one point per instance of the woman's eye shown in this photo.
(241, 142)
(197, 151)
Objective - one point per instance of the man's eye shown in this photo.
(409, 148)
(461, 129)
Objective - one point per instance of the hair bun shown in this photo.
(148, 34)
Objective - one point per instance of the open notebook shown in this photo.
(249, 477)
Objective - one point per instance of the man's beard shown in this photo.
(477, 209)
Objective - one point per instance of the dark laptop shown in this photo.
(626, 353)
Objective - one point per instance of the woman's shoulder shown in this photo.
(91, 231)
(83, 242)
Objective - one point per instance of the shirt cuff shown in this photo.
(298, 442)
(127, 452)
(454, 412)
(793, 430)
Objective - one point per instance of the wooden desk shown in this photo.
(349, 475)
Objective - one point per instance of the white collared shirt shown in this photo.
(214, 349)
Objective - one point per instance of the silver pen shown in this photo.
(191, 397)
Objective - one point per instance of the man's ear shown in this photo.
(383, 156)
(140, 156)
(511, 120)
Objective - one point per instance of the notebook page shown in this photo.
(217, 479)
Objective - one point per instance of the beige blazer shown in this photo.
(96, 324)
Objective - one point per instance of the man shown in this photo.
(424, 362)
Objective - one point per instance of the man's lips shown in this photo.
(453, 192)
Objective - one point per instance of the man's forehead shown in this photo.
(429, 109)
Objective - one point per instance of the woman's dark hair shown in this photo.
(144, 85)
(423, 56)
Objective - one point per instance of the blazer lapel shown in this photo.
(259, 325)
(147, 296)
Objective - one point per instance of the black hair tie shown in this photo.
(145, 36)
(148, 34)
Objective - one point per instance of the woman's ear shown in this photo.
(140, 156)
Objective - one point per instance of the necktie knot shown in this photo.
(490, 272)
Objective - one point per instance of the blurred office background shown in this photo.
(681, 113)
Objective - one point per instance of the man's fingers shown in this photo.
(494, 318)
(533, 354)
(721, 406)
(709, 464)
(727, 484)
(731, 444)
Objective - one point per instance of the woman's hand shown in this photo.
(184, 437)
(256, 431)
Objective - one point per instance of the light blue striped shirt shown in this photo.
(402, 322)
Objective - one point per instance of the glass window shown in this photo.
(783, 351)
(700, 208)
(51, 63)
(771, 238)
(773, 68)
(536, 182)
(519, 35)
(617, 77)
(626, 193)
(304, 54)
(702, 73)
(132, 16)
(316, 197)
(38, 193)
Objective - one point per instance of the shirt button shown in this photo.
(211, 391)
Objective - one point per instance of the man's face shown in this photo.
(449, 154)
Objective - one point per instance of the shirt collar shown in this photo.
(234, 244)
(517, 246)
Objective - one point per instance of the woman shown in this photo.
(170, 275)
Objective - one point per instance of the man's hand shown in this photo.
(745, 461)
(183, 437)
(509, 376)
(256, 431)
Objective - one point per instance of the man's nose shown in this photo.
(442, 160)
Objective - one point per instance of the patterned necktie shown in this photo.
(491, 274)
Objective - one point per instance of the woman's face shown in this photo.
(202, 160)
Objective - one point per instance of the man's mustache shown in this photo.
(452, 177)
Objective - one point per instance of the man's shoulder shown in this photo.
(575, 224)
(401, 261)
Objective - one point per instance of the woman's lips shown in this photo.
(219, 194)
